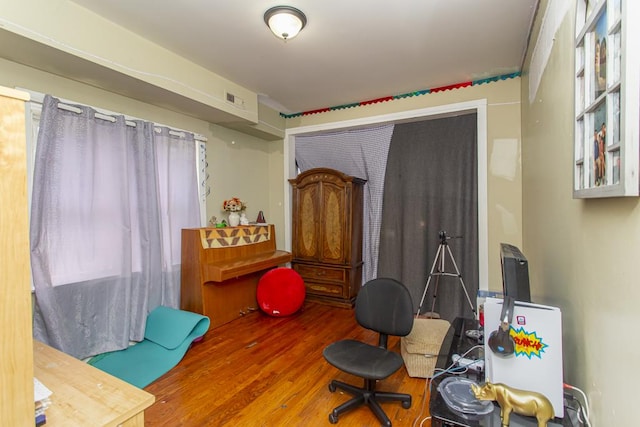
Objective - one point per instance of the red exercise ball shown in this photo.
(280, 292)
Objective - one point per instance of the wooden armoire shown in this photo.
(327, 235)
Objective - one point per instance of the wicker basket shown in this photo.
(420, 348)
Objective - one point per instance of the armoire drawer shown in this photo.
(317, 273)
(327, 289)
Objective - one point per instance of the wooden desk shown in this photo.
(221, 268)
(84, 395)
(456, 342)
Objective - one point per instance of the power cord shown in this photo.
(583, 409)
(451, 369)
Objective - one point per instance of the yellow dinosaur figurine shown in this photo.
(528, 403)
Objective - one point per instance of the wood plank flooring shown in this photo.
(267, 371)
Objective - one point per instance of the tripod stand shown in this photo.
(437, 270)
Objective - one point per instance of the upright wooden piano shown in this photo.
(221, 268)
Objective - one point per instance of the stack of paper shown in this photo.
(42, 401)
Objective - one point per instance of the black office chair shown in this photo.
(383, 306)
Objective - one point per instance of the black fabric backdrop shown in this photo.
(431, 185)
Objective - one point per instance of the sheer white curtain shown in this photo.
(178, 189)
(105, 226)
(356, 152)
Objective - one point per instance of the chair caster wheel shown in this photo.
(406, 405)
(332, 388)
(333, 419)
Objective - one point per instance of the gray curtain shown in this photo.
(104, 226)
(431, 185)
(361, 153)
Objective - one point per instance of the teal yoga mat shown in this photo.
(168, 335)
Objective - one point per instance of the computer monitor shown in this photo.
(515, 273)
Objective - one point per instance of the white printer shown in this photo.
(533, 360)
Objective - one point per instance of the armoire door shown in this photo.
(334, 229)
(307, 208)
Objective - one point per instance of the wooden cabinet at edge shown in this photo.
(327, 235)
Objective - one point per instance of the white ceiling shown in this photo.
(350, 50)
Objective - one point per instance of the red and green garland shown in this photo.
(404, 95)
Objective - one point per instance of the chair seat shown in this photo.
(348, 356)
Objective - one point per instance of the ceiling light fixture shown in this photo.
(285, 21)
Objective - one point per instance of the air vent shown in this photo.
(235, 100)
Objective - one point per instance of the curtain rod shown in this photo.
(38, 98)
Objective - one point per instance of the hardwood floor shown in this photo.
(267, 371)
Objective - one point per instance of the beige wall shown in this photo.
(159, 86)
(84, 45)
(583, 254)
(252, 169)
(504, 198)
(239, 164)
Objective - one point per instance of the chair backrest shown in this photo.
(384, 305)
